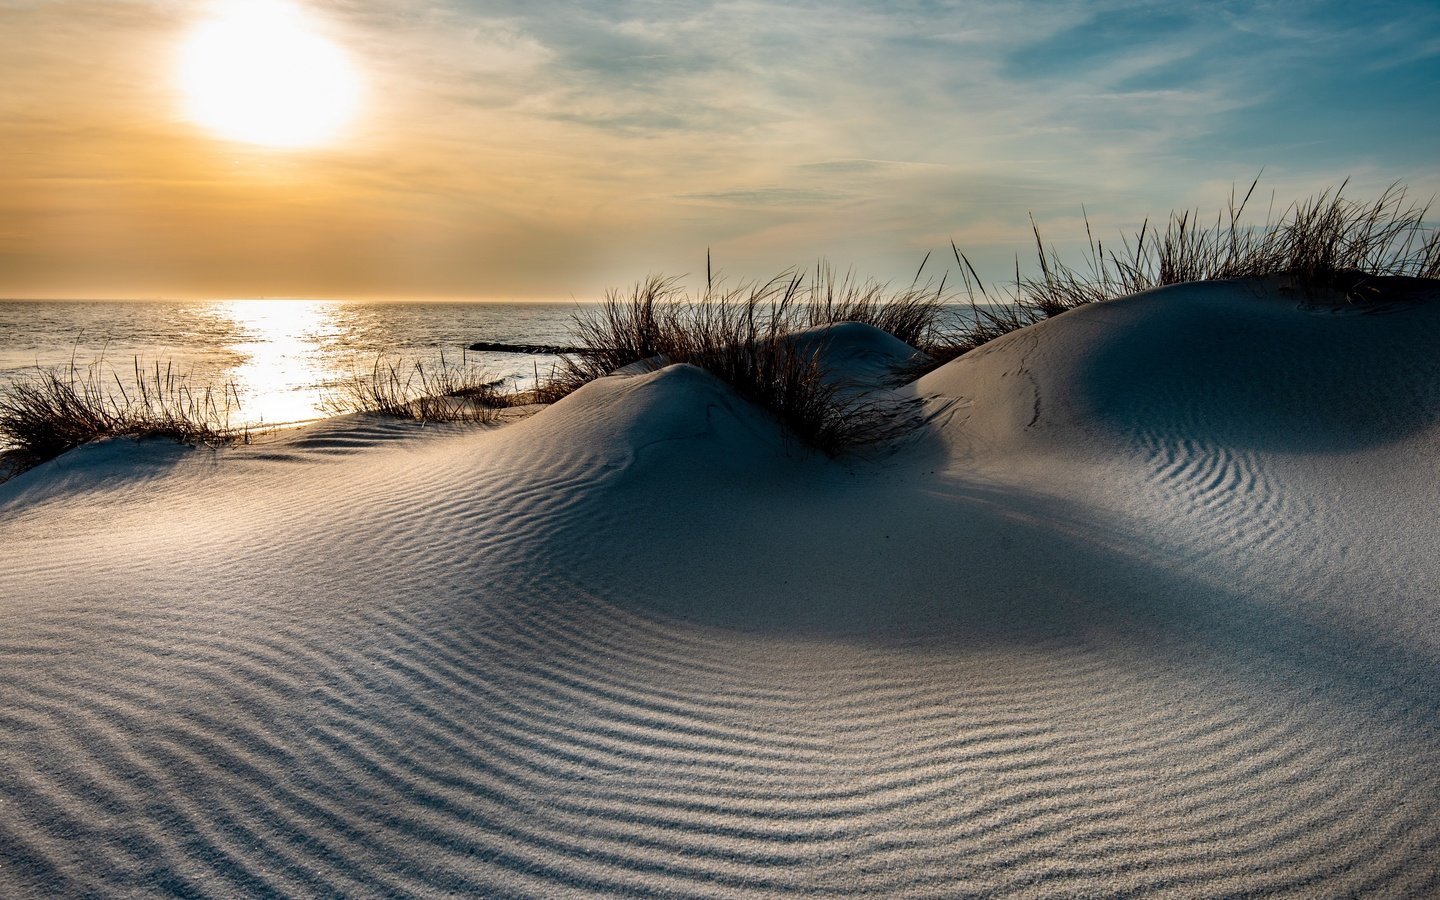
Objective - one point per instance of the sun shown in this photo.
(259, 73)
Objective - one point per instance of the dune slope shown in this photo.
(1148, 605)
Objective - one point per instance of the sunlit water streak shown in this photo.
(283, 357)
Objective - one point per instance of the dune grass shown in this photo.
(911, 314)
(745, 337)
(47, 413)
(447, 392)
(1323, 244)
(1327, 245)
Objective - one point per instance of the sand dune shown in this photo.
(1148, 606)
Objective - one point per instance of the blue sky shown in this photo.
(552, 149)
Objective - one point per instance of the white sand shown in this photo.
(1150, 606)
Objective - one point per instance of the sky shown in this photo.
(515, 150)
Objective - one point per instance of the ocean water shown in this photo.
(280, 358)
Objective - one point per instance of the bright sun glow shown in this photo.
(257, 72)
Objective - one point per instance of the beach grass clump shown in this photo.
(911, 314)
(746, 337)
(443, 392)
(1325, 245)
(622, 329)
(50, 412)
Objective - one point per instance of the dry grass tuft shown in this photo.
(910, 314)
(447, 392)
(1327, 244)
(743, 336)
(622, 329)
(1320, 244)
(50, 412)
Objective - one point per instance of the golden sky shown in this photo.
(506, 150)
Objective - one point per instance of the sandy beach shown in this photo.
(1146, 606)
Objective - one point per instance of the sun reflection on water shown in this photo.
(283, 376)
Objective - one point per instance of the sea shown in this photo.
(278, 361)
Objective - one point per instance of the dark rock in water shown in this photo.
(525, 348)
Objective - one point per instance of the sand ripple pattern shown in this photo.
(473, 722)
(1225, 492)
